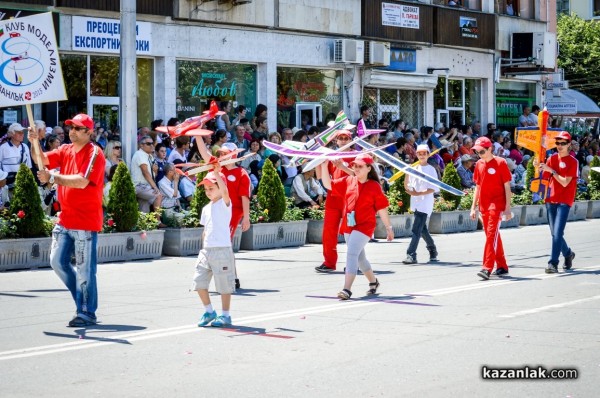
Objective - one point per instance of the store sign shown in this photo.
(468, 27)
(561, 107)
(103, 35)
(30, 71)
(402, 59)
(214, 85)
(399, 15)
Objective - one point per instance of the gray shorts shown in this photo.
(217, 261)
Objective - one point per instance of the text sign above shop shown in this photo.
(402, 59)
(468, 27)
(30, 72)
(562, 107)
(103, 35)
(400, 16)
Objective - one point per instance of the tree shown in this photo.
(199, 200)
(594, 184)
(271, 194)
(451, 178)
(579, 56)
(26, 204)
(398, 198)
(122, 201)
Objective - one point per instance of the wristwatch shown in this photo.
(51, 179)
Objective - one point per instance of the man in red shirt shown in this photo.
(562, 169)
(80, 185)
(492, 196)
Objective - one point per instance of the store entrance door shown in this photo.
(105, 111)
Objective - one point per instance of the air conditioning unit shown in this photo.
(348, 51)
(377, 53)
(539, 47)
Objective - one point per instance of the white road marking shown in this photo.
(159, 333)
(549, 307)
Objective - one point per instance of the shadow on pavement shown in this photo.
(82, 333)
(260, 332)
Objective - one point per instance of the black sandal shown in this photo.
(373, 288)
(345, 294)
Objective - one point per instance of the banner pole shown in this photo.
(35, 142)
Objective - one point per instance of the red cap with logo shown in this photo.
(482, 143)
(563, 135)
(211, 179)
(81, 120)
(363, 158)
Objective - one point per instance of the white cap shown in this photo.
(48, 130)
(229, 146)
(15, 127)
(295, 130)
(3, 175)
(423, 148)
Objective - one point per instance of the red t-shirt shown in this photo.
(490, 178)
(370, 200)
(238, 185)
(80, 208)
(566, 166)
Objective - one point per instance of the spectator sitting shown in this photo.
(112, 154)
(520, 172)
(464, 171)
(246, 124)
(261, 129)
(409, 148)
(312, 132)
(52, 142)
(142, 174)
(287, 134)
(179, 154)
(13, 153)
(108, 184)
(219, 138)
(254, 155)
(275, 138)
(306, 191)
(169, 187)
(585, 170)
(300, 136)
(160, 159)
(3, 190)
(239, 138)
(515, 154)
(255, 172)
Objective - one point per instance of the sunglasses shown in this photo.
(117, 147)
(482, 152)
(79, 128)
(343, 138)
(561, 143)
(146, 143)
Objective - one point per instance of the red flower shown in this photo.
(21, 214)
(111, 222)
(400, 203)
(261, 218)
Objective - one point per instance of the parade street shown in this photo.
(430, 332)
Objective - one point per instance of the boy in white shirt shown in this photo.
(216, 257)
(421, 202)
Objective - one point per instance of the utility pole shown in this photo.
(128, 81)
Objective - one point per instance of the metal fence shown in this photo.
(392, 105)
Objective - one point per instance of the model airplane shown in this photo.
(406, 168)
(306, 154)
(315, 162)
(222, 160)
(193, 126)
(538, 140)
(401, 173)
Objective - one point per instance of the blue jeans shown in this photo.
(81, 279)
(419, 229)
(557, 219)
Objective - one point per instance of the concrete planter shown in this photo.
(593, 210)
(126, 246)
(180, 242)
(401, 224)
(578, 211)
(534, 215)
(447, 222)
(516, 220)
(274, 235)
(16, 254)
(314, 232)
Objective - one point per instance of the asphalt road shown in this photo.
(428, 334)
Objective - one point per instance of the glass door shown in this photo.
(105, 111)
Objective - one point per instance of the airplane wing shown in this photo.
(596, 169)
(315, 162)
(400, 165)
(198, 132)
(362, 132)
(316, 154)
(223, 160)
(401, 173)
(293, 144)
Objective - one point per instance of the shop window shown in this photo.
(304, 86)
(394, 105)
(145, 101)
(104, 76)
(596, 10)
(74, 68)
(457, 101)
(526, 8)
(472, 101)
(511, 97)
(563, 7)
(199, 83)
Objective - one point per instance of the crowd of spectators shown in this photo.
(158, 184)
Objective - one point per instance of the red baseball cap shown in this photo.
(563, 135)
(343, 132)
(81, 120)
(211, 179)
(363, 158)
(482, 143)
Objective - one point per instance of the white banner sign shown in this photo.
(104, 35)
(401, 16)
(30, 70)
(562, 107)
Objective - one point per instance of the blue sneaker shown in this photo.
(207, 318)
(221, 321)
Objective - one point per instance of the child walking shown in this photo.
(216, 257)
(364, 199)
(421, 202)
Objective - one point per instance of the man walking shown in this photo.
(80, 184)
(492, 196)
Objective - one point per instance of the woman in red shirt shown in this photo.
(364, 199)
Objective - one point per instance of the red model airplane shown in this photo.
(193, 125)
